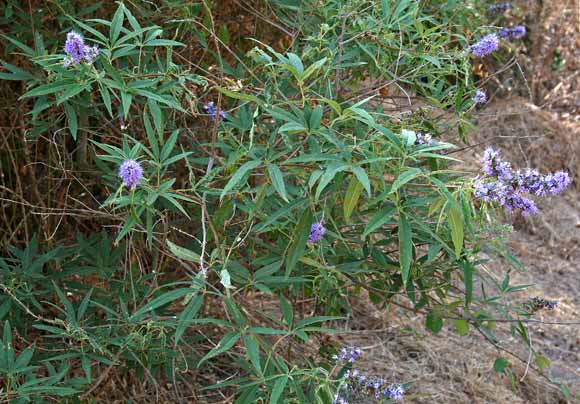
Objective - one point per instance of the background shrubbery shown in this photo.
(205, 273)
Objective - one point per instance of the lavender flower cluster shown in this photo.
(499, 8)
(509, 185)
(517, 32)
(347, 354)
(131, 173)
(539, 303)
(212, 111)
(490, 42)
(317, 231)
(485, 45)
(77, 50)
(358, 386)
(480, 97)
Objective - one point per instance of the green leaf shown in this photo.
(106, 99)
(434, 323)
(404, 178)
(117, 23)
(462, 327)
(468, 281)
(163, 42)
(48, 89)
(500, 365)
(186, 316)
(228, 341)
(287, 310)
(238, 175)
(225, 279)
(162, 300)
(319, 319)
(380, 218)
(277, 180)
(542, 362)
(157, 116)
(183, 253)
(362, 176)
(278, 389)
(292, 127)
(351, 198)
(71, 116)
(170, 102)
(266, 331)
(405, 247)
(253, 352)
(456, 225)
(238, 96)
(328, 176)
(126, 100)
(298, 245)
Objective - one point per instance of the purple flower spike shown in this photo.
(508, 187)
(479, 97)
(74, 47)
(517, 32)
(212, 111)
(485, 45)
(317, 231)
(131, 173)
(77, 51)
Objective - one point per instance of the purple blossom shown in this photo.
(515, 201)
(74, 47)
(490, 191)
(557, 182)
(479, 97)
(131, 173)
(348, 354)
(509, 187)
(517, 32)
(494, 166)
(396, 392)
(317, 231)
(338, 399)
(212, 111)
(485, 45)
(530, 181)
(499, 8)
(77, 51)
(537, 303)
(424, 138)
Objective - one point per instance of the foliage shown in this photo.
(171, 278)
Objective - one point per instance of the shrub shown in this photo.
(217, 181)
